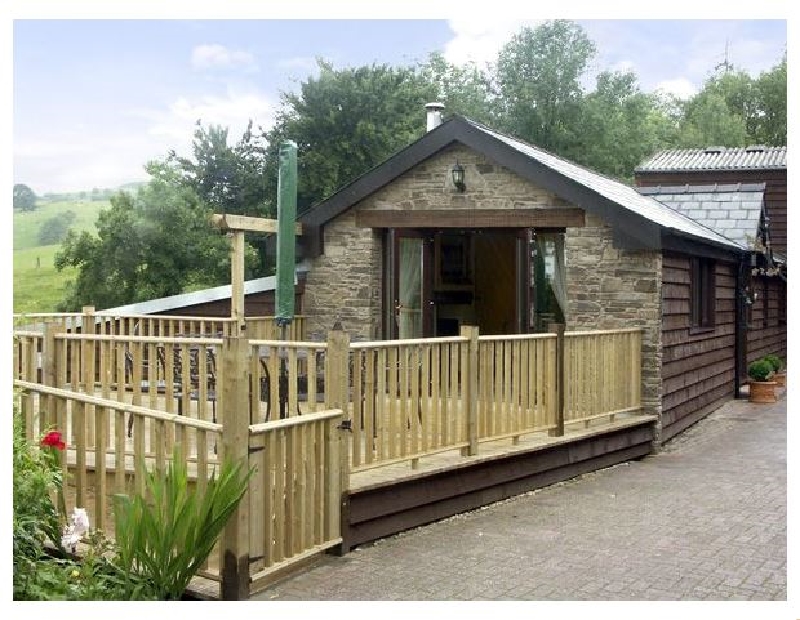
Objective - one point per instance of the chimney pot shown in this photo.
(434, 113)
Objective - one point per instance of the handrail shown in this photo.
(119, 406)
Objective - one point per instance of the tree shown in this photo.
(465, 90)
(54, 230)
(147, 246)
(538, 78)
(709, 121)
(770, 126)
(24, 198)
(347, 121)
(621, 126)
(229, 179)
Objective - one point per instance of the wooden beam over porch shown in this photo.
(569, 217)
(236, 226)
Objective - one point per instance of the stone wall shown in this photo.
(609, 288)
(429, 185)
(344, 284)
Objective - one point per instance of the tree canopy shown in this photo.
(347, 120)
(24, 197)
(150, 245)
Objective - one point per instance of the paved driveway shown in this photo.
(704, 519)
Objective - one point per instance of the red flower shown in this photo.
(53, 440)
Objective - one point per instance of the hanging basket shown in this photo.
(762, 392)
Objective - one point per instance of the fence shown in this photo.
(412, 398)
(305, 414)
(123, 402)
(100, 322)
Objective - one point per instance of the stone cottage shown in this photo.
(470, 226)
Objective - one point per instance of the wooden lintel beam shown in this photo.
(557, 217)
(249, 224)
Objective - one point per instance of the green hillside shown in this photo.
(40, 288)
(28, 223)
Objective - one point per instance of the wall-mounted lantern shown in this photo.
(458, 177)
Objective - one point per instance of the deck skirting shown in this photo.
(385, 509)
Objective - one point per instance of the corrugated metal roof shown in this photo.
(164, 304)
(625, 196)
(717, 158)
(732, 210)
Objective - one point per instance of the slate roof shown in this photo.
(632, 215)
(717, 158)
(733, 210)
(625, 196)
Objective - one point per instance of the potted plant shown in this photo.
(779, 369)
(762, 390)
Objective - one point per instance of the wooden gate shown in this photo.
(295, 493)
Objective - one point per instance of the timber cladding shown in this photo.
(766, 320)
(697, 366)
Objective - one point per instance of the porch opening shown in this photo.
(505, 281)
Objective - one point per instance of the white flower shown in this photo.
(76, 529)
(80, 520)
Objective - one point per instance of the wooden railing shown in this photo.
(265, 328)
(602, 373)
(125, 399)
(407, 399)
(287, 378)
(102, 322)
(100, 469)
(295, 494)
(516, 385)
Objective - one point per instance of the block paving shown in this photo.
(703, 519)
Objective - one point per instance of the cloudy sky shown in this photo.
(93, 100)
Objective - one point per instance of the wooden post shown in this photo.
(235, 441)
(49, 375)
(237, 280)
(469, 389)
(558, 330)
(337, 384)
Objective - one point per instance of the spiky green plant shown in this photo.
(167, 534)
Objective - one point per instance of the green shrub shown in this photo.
(36, 519)
(760, 370)
(777, 363)
(169, 536)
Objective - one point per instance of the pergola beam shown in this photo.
(236, 226)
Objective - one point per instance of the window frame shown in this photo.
(702, 295)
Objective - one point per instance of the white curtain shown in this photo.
(409, 315)
(553, 244)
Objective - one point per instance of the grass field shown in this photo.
(39, 289)
(28, 223)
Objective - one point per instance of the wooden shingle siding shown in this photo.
(697, 369)
(764, 338)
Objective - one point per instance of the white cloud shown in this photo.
(215, 56)
(233, 110)
(478, 40)
(680, 87)
(65, 160)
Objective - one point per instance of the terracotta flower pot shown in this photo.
(762, 392)
(780, 378)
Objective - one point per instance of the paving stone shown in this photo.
(704, 519)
